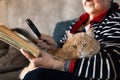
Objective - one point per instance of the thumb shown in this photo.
(27, 55)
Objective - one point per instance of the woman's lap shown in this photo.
(49, 74)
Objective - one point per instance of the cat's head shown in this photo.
(81, 44)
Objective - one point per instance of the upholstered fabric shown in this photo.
(60, 28)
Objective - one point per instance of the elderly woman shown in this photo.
(104, 17)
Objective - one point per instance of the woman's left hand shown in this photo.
(45, 61)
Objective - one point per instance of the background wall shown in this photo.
(44, 13)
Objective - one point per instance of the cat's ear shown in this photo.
(69, 35)
(90, 32)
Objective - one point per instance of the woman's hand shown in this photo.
(46, 42)
(45, 61)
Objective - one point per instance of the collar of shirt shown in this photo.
(83, 18)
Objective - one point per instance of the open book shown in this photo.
(11, 38)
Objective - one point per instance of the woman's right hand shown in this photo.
(46, 42)
(45, 61)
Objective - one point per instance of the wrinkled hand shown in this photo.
(46, 42)
(46, 61)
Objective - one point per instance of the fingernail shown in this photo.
(21, 50)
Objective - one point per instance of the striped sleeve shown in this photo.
(100, 66)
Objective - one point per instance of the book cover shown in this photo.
(11, 38)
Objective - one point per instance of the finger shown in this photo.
(41, 44)
(27, 55)
(43, 53)
(38, 40)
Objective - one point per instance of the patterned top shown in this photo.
(106, 63)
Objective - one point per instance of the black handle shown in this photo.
(33, 27)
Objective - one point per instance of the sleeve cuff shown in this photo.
(69, 65)
(66, 65)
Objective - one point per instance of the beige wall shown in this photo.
(44, 13)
